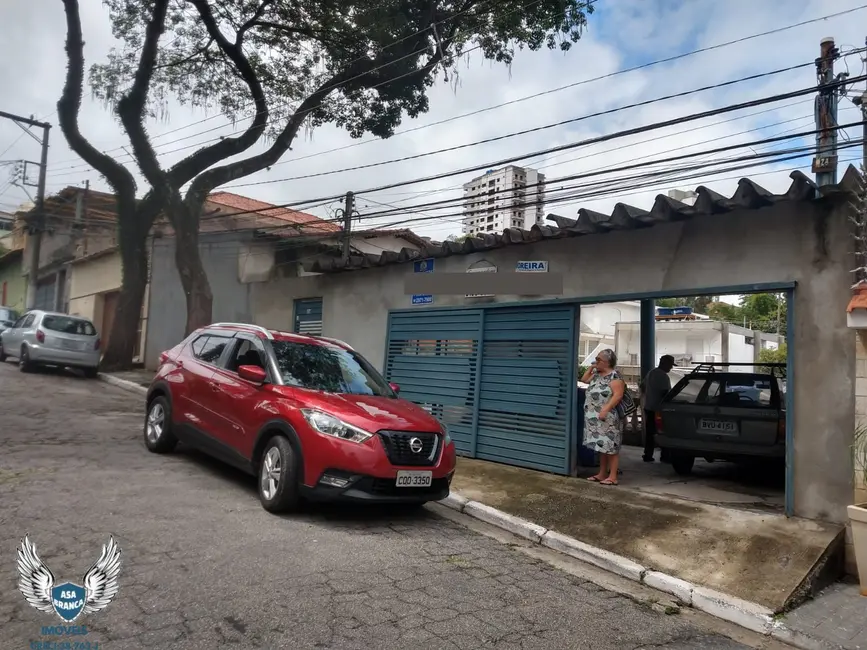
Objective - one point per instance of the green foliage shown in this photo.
(759, 311)
(375, 58)
(699, 304)
(772, 356)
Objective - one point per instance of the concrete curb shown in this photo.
(751, 616)
(510, 523)
(126, 385)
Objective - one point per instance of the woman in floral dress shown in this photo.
(603, 428)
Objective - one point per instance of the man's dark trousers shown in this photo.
(649, 434)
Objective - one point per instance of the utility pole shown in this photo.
(348, 209)
(34, 230)
(825, 161)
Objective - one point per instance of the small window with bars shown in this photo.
(308, 316)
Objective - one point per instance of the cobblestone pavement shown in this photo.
(838, 615)
(204, 566)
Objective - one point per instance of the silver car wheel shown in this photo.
(156, 423)
(271, 471)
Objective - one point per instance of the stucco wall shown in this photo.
(785, 243)
(167, 307)
(94, 276)
(16, 284)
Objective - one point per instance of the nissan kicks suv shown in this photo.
(307, 415)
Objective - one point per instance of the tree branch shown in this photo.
(131, 107)
(198, 52)
(260, 10)
(199, 161)
(217, 176)
(69, 105)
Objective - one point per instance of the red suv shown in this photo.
(307, 414)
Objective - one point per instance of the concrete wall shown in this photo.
(89, 281)
(739, 350)
(16, 284)
(167, 307)
(63, 243)
(602, 317)
(785, 243)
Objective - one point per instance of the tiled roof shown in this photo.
(268, 215)
(748, 196)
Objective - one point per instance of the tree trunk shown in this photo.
(134, 258)
(197, 289)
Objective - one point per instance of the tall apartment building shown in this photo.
(511, 197)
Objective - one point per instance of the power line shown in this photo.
(603, 138)
(594, 140)
(536, 129)
(521, 99)
(640, 142)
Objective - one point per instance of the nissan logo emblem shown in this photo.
(415, 446)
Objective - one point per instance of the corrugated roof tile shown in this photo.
(748, 196)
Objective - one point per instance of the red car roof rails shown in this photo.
(247, 326)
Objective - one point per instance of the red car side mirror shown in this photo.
(252, 373)
(394, 387)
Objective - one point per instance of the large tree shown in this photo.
(277, 66)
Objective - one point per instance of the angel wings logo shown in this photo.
(68, 600)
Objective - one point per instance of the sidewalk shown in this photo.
(837, 616)
(761, 557)
(141, 376)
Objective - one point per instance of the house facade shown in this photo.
(243, 243)
(692, 342)
(501, 369)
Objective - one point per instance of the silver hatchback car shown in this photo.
(52, 339)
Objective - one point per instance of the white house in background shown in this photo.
(598, 325)
(691, 342)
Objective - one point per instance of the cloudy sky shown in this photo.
(622, 34)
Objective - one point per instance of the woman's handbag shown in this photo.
(626, 406)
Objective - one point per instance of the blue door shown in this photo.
(434, 356)
(308, 316)
(501, 379)
(527, 387)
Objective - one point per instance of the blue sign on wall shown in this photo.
(422, 299)
(423, 266)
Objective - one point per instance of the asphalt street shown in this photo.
(204, 566)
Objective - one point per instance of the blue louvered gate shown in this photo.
(308, 316)
(527, 387)
(502, 379)
(433, 357)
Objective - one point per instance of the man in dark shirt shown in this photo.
(654, 388)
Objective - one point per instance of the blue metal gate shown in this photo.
(527, 387)
(501, 379)
(434, 357)
(308, 316)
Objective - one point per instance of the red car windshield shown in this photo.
(328, 368)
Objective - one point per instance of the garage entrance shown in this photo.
(501, 378)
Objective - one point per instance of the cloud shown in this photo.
(621, 34)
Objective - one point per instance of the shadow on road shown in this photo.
(326, 512)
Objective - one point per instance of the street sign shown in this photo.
(422, 299)
(538, 266)
(423, 266)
